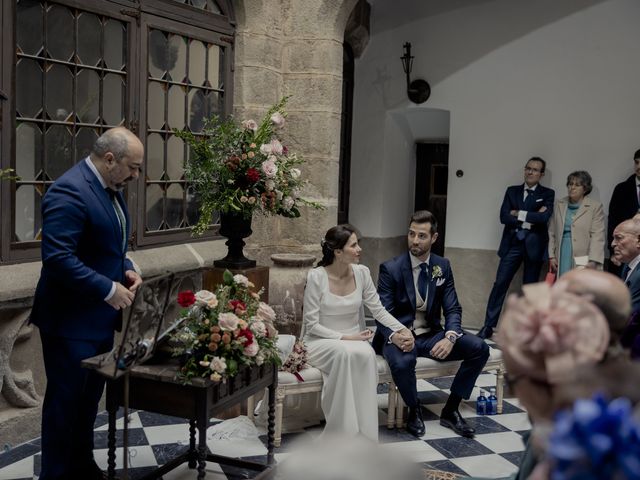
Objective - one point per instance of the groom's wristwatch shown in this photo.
(452, 338)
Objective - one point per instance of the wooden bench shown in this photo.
(426, 368)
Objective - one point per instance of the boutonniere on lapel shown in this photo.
(436, 272)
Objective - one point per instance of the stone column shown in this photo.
(294, 47)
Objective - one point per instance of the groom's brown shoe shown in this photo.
(415, 424)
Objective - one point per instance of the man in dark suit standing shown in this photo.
(525, 212)
(624, 204)
(86, 281)
(416, 288)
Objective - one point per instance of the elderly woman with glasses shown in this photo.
(576, 229)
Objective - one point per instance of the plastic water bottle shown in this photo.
(481, 404)
(492, 402)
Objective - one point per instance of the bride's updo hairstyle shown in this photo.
(335, 239)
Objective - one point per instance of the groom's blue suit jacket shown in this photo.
(398, 295)
(82, 255)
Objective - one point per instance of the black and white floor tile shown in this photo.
(493, 453)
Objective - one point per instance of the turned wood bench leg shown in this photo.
(391, 406)
(280, 394)
(499, 388)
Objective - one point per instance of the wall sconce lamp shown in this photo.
(418, 91)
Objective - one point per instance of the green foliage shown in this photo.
(7, 174)
(244, 168)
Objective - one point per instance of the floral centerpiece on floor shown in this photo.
(225, 329)
(244, 168)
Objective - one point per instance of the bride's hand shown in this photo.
(365, 335)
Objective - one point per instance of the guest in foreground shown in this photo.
(595, 432)
(338, 342)
(416, 288)
(86, 281)
(576, 229)
(525, 212)
(548, 334)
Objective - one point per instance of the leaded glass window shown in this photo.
(75, 69)
(71, 78)
(184, 87)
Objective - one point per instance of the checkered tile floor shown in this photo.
(493, 453)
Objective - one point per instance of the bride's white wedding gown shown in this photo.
(349, 372)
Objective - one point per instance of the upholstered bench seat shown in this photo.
(426, 368)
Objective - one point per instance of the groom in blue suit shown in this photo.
(417, 287)
(525, 212)
(86, 281)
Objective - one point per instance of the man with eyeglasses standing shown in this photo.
(525, 212)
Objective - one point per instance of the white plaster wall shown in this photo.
(519, 78)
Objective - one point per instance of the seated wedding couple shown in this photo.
(414, 290)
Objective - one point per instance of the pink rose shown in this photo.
(277, 119)
(228, 321)
(269, 168)
(250, 125)
(252, 349)
(218, 364)
(258, 328)
(273, 147)
(265, 312)
(206, 298)
(288, 202)
(276, 147)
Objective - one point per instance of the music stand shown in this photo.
(138, 341)
(141, 328)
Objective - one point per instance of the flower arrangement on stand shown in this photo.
(223, 330)
(244, 168)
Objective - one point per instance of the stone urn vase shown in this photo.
(286, 289)
(236, 228)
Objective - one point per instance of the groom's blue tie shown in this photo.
(423, 281)
(625, 272)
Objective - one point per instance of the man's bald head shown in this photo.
(605, 291)
(626, 241)
(118, 155)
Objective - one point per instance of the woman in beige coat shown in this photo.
(576, 229)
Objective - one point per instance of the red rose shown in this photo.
(253, 175)
(186, 298)
(285, 150)
(237, 304)
(246, 333)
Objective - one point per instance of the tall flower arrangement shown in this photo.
(224, 330)
(244, 168)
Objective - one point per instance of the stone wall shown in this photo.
(294, 48)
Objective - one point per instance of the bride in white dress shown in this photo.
(336, 338)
